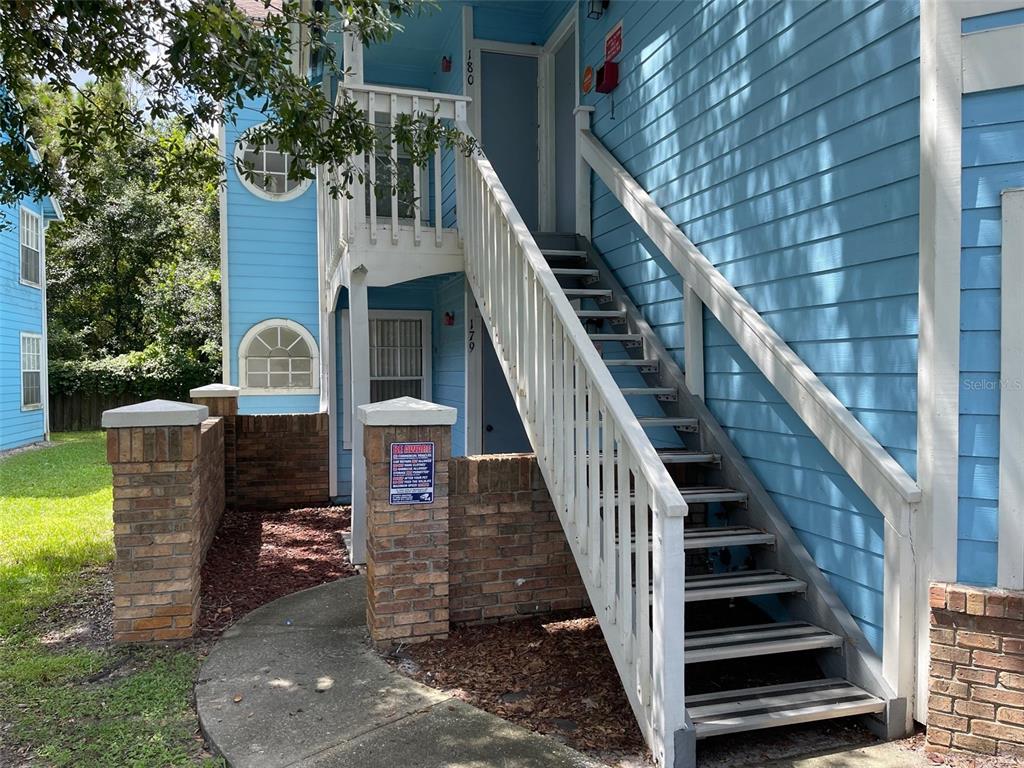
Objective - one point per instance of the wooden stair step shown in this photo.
(725, 586)
(563, 253)
(588, 293)
(708, 494)
(757, 640)
(653, 391)
(726, 536)
(600, 314)
(630, 362)
(575, 272)
(751, 709)
(676, 456)
(678, 422)
(634, 338)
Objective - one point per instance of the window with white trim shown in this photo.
(31, 370)
(278, 355)
(400, 358)
(271, 170)
(31, 247)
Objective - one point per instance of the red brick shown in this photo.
(974, 743)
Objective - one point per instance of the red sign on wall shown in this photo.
(613, 43)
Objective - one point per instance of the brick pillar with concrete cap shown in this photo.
(168, 467)
(222, 400)
(407, 540)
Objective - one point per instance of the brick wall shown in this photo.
(168, 499)
(281, 461)
(976, 681)
(406, 545)
(509, 556)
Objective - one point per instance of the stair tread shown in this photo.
(750, 709)
(601, 313)
(726, 536)
(675, 456)
(667, 421)
(720, 586)
(757, 640)
(587, 292)
(629, 391)
(698, 493)
(632, 362)
(563, 253)
(575, 271)
(615, 337)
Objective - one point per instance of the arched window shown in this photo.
(278, 355)
(271, 169)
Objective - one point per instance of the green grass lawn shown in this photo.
(88, 706)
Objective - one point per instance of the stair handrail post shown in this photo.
(583, 218)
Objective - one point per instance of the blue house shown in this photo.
(737, 264)
(23, 391)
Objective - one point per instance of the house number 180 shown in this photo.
(469, 67)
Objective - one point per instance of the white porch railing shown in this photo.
(621, 511)
(877, 474)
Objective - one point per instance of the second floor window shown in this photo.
(271, 169)
(31, 248)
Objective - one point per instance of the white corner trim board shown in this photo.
(938, 441)
(1011, 398)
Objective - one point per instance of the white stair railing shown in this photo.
(621, 511)
(869, 465)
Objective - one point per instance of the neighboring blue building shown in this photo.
(821, 313)
(23, 358)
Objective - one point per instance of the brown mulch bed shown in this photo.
(258, 557)
(553, 677)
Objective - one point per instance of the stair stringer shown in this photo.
(820, 605)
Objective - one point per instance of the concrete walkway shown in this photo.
(296, 683)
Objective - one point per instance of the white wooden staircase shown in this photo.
(722, 625)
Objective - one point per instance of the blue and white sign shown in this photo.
(412, 473)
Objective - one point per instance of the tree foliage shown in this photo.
(196, 62)
(133, 271)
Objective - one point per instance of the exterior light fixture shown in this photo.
(596, 8)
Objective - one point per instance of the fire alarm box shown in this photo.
(607, 77)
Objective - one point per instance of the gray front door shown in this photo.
(508, 126)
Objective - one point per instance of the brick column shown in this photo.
(407, 544)
(976, 677)
(167, 461)
(222, 400)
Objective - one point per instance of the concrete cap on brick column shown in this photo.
(214, 390)
(155, 413)
(406, 412)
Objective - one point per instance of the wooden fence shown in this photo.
(82, 410)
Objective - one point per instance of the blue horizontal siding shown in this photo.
(782, 137)
(21, 311)
(272, 269)
(992, 154)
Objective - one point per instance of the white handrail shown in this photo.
(621, 511)
(878, 474)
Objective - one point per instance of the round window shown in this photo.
(271, 171)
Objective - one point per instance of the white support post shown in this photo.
(359, 344)
(1011, 397)
(693, 344)
(898, 646)
(582, 174)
